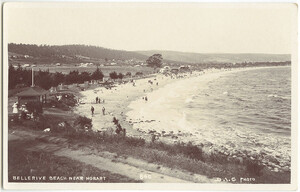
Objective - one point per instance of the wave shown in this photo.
(278, 97)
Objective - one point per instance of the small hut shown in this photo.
(32, 94)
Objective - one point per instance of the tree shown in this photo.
(128, 74)
(97, 75)
(84, 76)
(120, 76)
(113, 75)
(12, 77)
(72, 77)
(155, 60)
(58, 78)
(43, 79)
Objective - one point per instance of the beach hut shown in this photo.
(32, 94)
(174, 71)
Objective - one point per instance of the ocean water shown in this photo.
(245, 110)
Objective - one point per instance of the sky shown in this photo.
(187, 27)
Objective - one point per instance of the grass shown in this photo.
(36, 163)
(178, 156)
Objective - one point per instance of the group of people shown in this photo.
(23, 112)
(93, 110)
(98, 100)
(145, 98)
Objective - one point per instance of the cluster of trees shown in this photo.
(155, 61)
(114, 75)
(55, 52)
(22, 77)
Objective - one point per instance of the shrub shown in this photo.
(253, 168)
(189, 150)
(83, 123)
(136, 142)
(34, 107)
(138, 73)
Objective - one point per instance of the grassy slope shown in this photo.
(26, 163)
(173, 156)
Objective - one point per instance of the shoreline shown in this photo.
(119, 103)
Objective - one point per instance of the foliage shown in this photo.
(43, 79)
(22, 77)
(69, 53)
(97, 75)
(34, 107)
(120, 76)
(155, 60)
(82, 123)
(253, 168)
(139, 73)
(113, 75)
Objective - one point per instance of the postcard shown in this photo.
(155, 96)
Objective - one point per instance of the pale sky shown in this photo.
(190, 27)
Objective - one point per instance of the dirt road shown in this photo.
(133, 168)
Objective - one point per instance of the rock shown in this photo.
(276, 169)
(286, 168)
(47, 130)
(240, 159)
(271, 159)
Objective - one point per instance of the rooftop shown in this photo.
(32, 91)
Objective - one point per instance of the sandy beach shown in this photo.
(147, 119)
(126, 102)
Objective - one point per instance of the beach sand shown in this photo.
(116, 101)
(126, 103)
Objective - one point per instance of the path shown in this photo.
(127, 166)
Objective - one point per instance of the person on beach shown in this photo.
(96, 100)
(15, 108)
(92, 110)
(103, 110)
(146, 99)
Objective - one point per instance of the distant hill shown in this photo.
(218, 57)
(72, 52)
(43, 54)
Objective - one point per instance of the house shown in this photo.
(162, 70)
(174, 71)
(167, 68)
(32, 94)
(183, 68)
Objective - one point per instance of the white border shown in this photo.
(174, 186)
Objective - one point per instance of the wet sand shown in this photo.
(124, 100)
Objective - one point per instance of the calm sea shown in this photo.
(246, 110)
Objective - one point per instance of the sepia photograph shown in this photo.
(167, 96)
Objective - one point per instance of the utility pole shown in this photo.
(32, 76)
